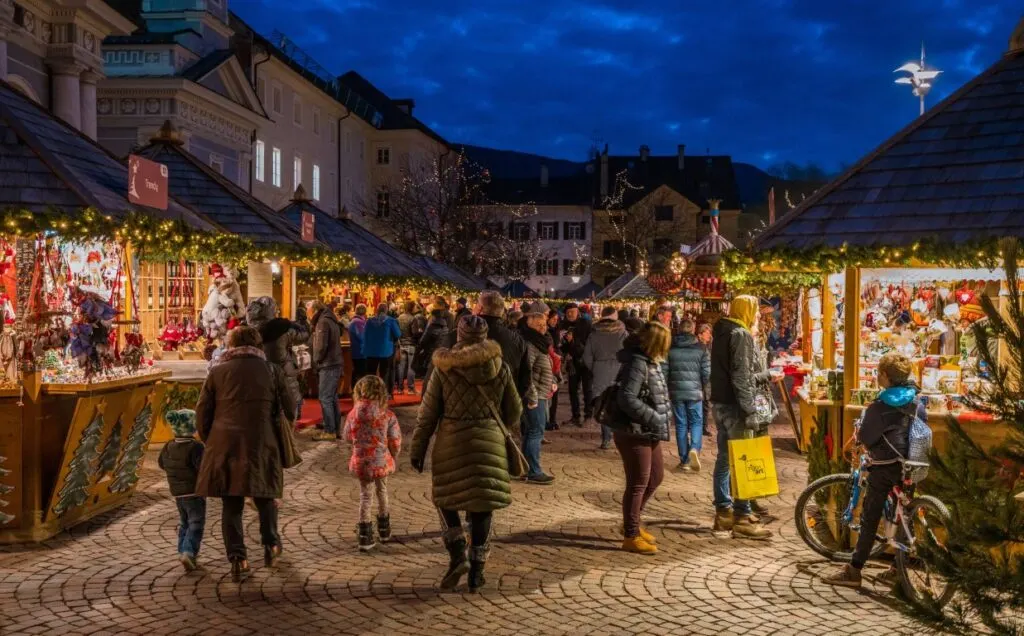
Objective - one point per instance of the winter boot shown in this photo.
(759, 508)
(271, 553)
(188, 561)
(477, 561)
(239, 570)
(848, 576)
(384, 528)
(749, 527)
(723, 520)
(455, 543)
(366, 541)
(638, 545)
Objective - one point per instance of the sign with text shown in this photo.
(147, 182)
(308, 227)
(260, 281)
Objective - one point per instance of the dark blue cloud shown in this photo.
(762, 80)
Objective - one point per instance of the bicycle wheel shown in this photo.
(927, 518)
(819, 518)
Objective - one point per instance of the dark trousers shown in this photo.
(191, 524)
(234, 531)
(479, 525)
(358, 369)
(581, 375)
(385, 368)
(645, 469)
(552, 412)
(881, 479)
(328, 395)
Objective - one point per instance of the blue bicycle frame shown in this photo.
(855, 488)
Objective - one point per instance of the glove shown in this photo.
(417, 464)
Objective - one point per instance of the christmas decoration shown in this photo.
(224, 302)
(5, 517)
(111, 449)
(134, 350)
(126, 474)
(90, 331)
(75, 490)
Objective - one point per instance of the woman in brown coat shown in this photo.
(468, 391)
(237, 417)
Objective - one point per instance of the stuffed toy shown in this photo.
(170, 336)
(91, 331)
(133, 350)
(224, 303)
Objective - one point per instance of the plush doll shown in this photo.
(170, 336)
(91, 330)
(224, 302)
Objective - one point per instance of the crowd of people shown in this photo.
(491, 380)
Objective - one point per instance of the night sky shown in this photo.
(763, 80)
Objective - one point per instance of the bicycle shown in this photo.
(827, 525)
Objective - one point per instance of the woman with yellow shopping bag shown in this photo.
(742, 408)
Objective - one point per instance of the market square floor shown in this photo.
(555, 566)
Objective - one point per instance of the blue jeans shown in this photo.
(689, 418)
(405, 369)
(192, 524)
(328, 394)
(727, 418)
(533, 433)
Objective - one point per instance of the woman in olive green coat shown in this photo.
(470, 387)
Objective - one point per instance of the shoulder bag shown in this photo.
(290, 456)
(517, 466)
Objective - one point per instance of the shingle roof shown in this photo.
(375, 256)
(702, 177)
(46, 164)
(231, 207)
(956, 174)
(455, 275)
(394, 118)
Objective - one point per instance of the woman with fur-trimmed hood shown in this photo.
(468, 386)
(279, 336)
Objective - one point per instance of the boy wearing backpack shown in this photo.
(885, 433)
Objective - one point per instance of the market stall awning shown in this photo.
(518, 289)
(374, 254)
(954, 175)
(217, 197)
(46, 165)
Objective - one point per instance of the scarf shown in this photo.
(540, 340)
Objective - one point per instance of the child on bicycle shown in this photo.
(885, 434)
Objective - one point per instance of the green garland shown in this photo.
(420, 284)
(158, 240)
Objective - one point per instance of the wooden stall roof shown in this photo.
(227, 204)
(45, 164)
(374, 254)
(956, 174)
(453, 274)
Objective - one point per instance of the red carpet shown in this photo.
(311, 414)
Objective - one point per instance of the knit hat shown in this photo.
(472, 329)
(461, 301)
(492, 304)
(539, 307)
(182, 422)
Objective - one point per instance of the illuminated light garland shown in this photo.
(421, 285)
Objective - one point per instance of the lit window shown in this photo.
(316, 182)
(275, 167)
(383, 156)
(383, 204)
(297, 173)
(297, 111)
(278, 100)
(260, 161)
(316, 121)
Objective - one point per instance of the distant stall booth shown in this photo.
(383, 274)
(896, 255)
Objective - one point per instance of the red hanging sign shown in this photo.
(308, 227)
(147, 182)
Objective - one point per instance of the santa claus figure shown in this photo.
(224, 303)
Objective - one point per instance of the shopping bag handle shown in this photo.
(748, 434)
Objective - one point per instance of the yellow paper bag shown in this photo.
(752, 468)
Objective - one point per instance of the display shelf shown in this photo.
(103, 385)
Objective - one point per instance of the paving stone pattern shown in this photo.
(555, 568)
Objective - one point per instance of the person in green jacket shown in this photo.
(469, 388)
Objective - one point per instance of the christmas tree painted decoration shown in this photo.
(112, 448)
(127, 471)
(75, 490)
(5, 517)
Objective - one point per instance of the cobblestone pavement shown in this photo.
(555, 567)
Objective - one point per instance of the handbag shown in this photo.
(517, 466)
(303, 358)
(290, 456)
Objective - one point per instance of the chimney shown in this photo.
(645, 152)
(405, 105)
(681, 152)
(604, 172)
(1017, 39)
(543, 175)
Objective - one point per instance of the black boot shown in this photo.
(455, 543)
(384, 528)
(271, 553)
(366, 541)
(239, 570)
(477, 560)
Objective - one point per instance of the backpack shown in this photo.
(919, 448)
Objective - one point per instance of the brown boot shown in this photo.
(723, 520)
(748, 527)
(849, 576)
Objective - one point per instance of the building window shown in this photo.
(383, 204)
(614, 249)
(316, 182)
(519, 231)
(334, 132)
(547, 231)
(275, 167)
(316, 121)
(297, 172)
(261, 90)
(617, 218)
(663, 246)
(663, 212)
(575, 231)
(297, 111)
(278, 100)
(547, 267)
(383, 156)
(217, 163)
(260, 161)
(492, 230)
(572, 267)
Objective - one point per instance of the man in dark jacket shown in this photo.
(410, 328)
(575, 332)
(328, 361)
(733, 391)
(434, 337)
(632, 323)
(279, 336)
(461, 309)
(687, 370)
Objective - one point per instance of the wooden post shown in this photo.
(828, 314)
(287, 290)
(851, 328)
(805, 327)
(129, 284)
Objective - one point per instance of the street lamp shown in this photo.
(575, 280)
(920, 77)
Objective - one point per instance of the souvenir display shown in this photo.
(224, 304)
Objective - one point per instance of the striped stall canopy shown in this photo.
(707, 285)
(711, 245)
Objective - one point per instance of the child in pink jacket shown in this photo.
(372, 431)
